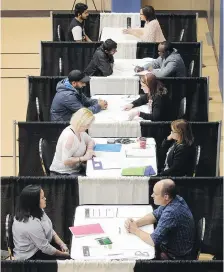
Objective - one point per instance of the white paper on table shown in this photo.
(141, 153)
(134, 212)
(136, 162)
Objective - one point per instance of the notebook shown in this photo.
(108, 147)
(84, 230)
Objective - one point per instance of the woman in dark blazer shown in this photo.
(178, 151)
(156, 96)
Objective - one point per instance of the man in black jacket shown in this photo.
(76, 31)
(103, 60)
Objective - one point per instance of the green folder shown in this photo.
(133, 171)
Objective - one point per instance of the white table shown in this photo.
(113, 122)
(120, 159)
(111, 218)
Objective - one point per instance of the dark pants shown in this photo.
(39, 255)
(161, 254)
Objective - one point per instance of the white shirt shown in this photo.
(152, 32)
(69, 146)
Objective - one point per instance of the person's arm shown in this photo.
(137, 32)
(148, 219)
(77, 33)
(166, 71)
(156, 110)
(87, 38)
(179, 162)
(142, 100)
(37, 236)
(104, 65)
(59, 242)
(91, 104)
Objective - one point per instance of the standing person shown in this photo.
(103, 60)
(152, 31)
(69, 97)
(32, 229)
(168, 64)
(74, 146)
(156, 96)
(173, 237)
(76, 30)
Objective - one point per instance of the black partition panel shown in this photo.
(206, 135)
(189, 51)
(194, 89)
(62, 196)
(204, 197)
(171, 25)
(59, 58)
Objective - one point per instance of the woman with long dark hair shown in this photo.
(156, 96)
(32, 229)
(178, 151)
(152, 31)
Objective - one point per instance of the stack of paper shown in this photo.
(140, 153)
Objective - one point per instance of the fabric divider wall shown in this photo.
(206, 134)
(29, 266)
(194, 89)
(204, 197)
(171, 24)
(60, 58)
(62, 199)
(189, 51)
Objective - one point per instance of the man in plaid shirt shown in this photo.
(174, 235)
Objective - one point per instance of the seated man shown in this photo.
(174, 235)
(69, 98)
(103, 60)
(168, 64)
(76, 31)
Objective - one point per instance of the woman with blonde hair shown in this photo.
(178, 150)
(74, 146)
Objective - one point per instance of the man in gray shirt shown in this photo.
(168, 64)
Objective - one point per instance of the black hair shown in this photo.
(109, 44)
(80, 8)
(29, 204)
(149, 13)
(168, 47)
(169, 189)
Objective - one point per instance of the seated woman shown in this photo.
(178, 150)
(152, 31)
(32, 229)
(74, 146)
(156, 96)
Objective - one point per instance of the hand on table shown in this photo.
(132, 114)
(131, 226)
(64, 248)
(128, 107)
(138, 69)
(127, 31)
(89, 154)
(103, 104)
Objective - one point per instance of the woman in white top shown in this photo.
(152, 31)
(74, 145)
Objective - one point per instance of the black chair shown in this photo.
(182, 108)
(200, 232)
(46, 156)
(9, 236)
(197, 158)
(59, 32)
(191, 69)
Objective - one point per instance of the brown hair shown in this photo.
(183, 128)
(156, 87)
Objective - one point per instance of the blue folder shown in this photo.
(108, 147)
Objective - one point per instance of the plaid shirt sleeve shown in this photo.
(157, 212)
(165, 224)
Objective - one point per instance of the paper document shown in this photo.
(100, 212)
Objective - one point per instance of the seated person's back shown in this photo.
(103, 60)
